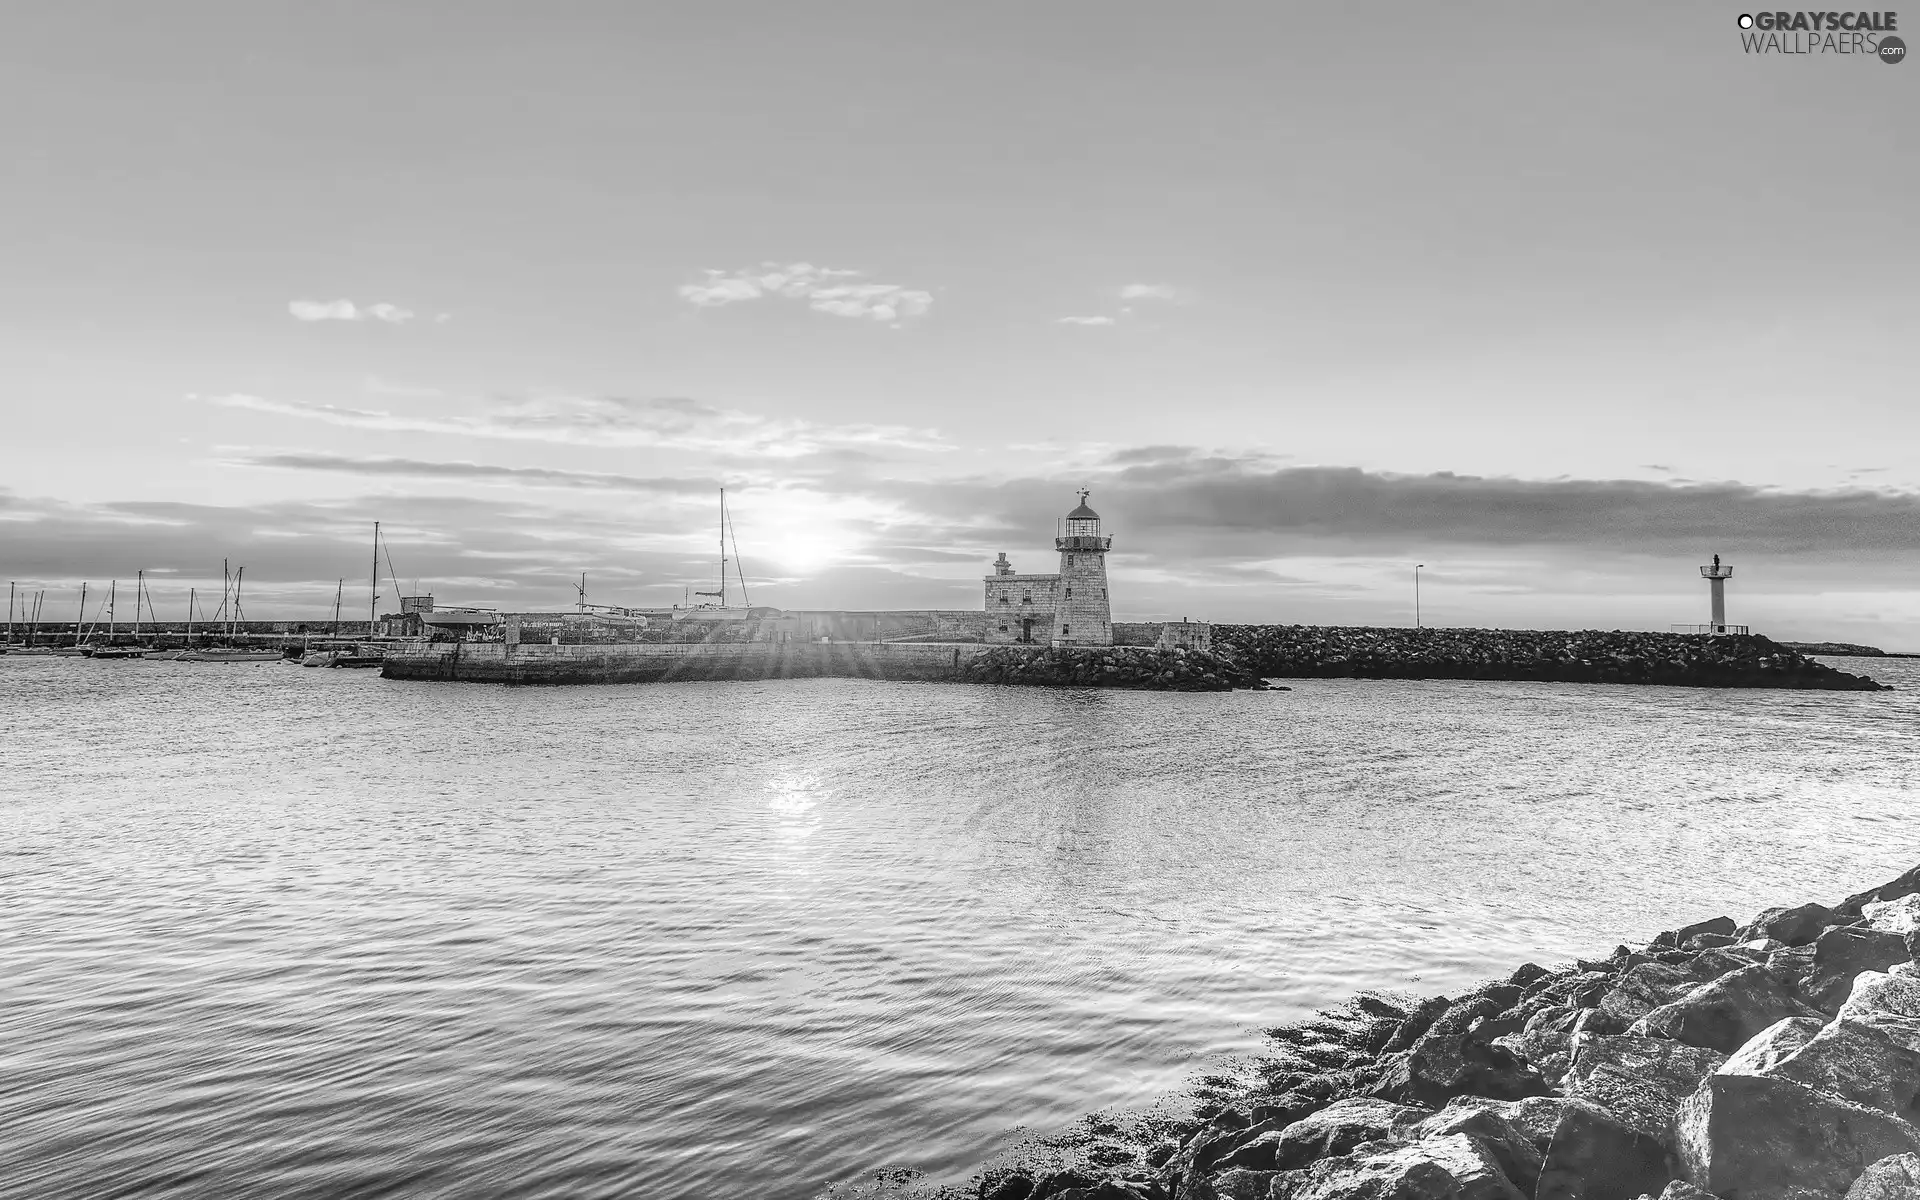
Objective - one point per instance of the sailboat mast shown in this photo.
(139, 590)
(338, 590)
(82, 618)
(723, 547)
(9, 612)
(373, 599)
(191, 593)
(233, 622)
(113, 593)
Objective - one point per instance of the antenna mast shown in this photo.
(373, 587)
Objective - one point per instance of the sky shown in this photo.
(1556, 300)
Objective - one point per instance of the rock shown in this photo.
(1640, 1081)
(1595, 1156)
(1443, 1065)
(1527, 974)
(1859, 1060)
(1888, 994)
(1680, 1189)
(1012, 1187)
(1650, 985)
(1840, 955)
(1678, 937)
(1235, 1184)
(1453, 1167)
(1791, 926)
(1793, 965)
(1511, 1146)
(1771, 1139)
(1770, 1045)
(1339, 1127)
(1895, 1177)
(1900, 916)
(1724, 1014)
(1893, 889)
(1215, 1144)
(1416, 1023)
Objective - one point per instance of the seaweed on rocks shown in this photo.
(1684, 1069)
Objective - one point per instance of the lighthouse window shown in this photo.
(1004, 600)
(1065, 630)
(1003, 629)
(1069, 593)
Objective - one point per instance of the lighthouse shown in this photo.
(1716, 574)
(1716, 577)
(1081, 615)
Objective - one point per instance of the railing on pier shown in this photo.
(1708, 629)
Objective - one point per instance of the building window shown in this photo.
(1026, 599)
(1069, 593)
(1004, 600)
(1003, 629)
(1065, 630)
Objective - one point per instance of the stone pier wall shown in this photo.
(491, 662)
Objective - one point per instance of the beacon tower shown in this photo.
(1716, 577)
(1082, 616)
(1068, 609)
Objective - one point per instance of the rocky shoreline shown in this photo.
(1773, 1060)
(1587, 656)
(1175, 670)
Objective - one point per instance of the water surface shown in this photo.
(277, 932)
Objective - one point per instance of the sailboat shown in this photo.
(718, 609)
(231, 653)
(111, 651)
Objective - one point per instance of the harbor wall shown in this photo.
(494, 662)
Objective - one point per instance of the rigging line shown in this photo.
(734, 535)
(387, 550)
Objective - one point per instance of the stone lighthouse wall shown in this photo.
(1082, 614)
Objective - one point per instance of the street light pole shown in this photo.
(1416, 594)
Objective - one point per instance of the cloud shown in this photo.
(1151, 291)
(667, 422)
(477, 472)
(1084, 321)
(824, 289)
(346, 310)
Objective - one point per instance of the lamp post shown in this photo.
(1416, 594)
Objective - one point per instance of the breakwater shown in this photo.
(1777, 1059)
(1114, 667)
(1587, 656)
(1242, 656)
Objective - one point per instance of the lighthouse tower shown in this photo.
(1081, 615)
(1716, 577)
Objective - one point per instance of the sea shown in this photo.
(278, 932)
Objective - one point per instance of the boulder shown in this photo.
(1791, 926)
(1453, 1167)
(1861, 1060)
(1840, 955)
(1725, 1014)
(1679, 937)
(1893, 995)
(1596, 1156)
(1900, 916)
(1339, 1127)
(1853, 906)
(1511, 1146)
(1547, 1051)
(1416, 1023)
(1896, 1177)
(1648, 986)
(1680, 1189)
(1641, 1081)
(1772, 1139)
(1234, 1184)
(1443, 1065)
(1009, 1187)
(1772, 1044)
